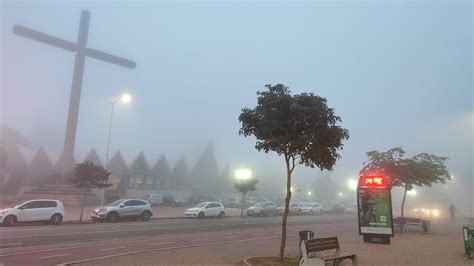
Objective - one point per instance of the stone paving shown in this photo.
(443, 247)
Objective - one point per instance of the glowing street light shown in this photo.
(125, 98)
(309, 193)
(340, 194)
(352, 183)
(243, 174)
(412, 192)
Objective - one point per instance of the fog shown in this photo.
(397, 73)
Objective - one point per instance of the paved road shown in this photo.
(50, 245)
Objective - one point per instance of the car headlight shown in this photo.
(3, 212)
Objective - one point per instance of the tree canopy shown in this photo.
(88, 175)
(300, 127)
(422, 169)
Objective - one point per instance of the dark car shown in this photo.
(196, 199)
(173, 201)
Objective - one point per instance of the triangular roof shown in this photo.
(205, 173)
(40, 168)
(41, 163)
(93, 157)
(161, 173)
(117, 164)
(140, 166)
(180, 175)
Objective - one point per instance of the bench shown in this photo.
(314, 252)
(424, 224)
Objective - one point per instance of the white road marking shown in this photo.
(12, 244)
(231, 236)
(54, 256)
(162, 243)
(200, 239)
(105, 249)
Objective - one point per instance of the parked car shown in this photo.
(311, 208)
(123, 209)
(251, 201)
(262, 209)
(295, 209)
(154, 199)
(232, 203)
(332, 207)
(111, 195)
(206, 209)
(33, 210)
(180, 202)
(351, 208)
(197, 198)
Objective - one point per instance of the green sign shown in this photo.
(375, 213)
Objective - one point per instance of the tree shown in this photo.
(87, 176)
(422, 170)
(245, 186)
(301, 128)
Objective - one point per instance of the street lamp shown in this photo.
(340, 194)
(125, 98)
(243, 174)
(411, 192)
(309, 193)
(352, 183)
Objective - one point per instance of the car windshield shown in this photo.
(17, 204)
(306, 204)
(260, 204)
(116, 203)
(201, 205)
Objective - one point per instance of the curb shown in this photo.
(156, 218)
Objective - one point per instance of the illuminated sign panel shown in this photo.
(373, 182)
(375, 208)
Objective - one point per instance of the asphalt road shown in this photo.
(52, 245)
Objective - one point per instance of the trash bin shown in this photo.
(304, 235)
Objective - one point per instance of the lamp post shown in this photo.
(125, 98)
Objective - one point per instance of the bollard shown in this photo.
(304, 235)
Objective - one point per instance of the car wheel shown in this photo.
(146, 216)
(311, 212)
(200, 215)
(56, 219)
(261, 213)
(222, 215)
(112, 217)
(9, 220)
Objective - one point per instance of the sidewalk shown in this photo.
(443, 247)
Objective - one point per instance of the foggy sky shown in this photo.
(398, 74)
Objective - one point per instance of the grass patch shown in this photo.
(270, 261)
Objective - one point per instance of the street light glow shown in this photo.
(340, 194)
(309, 193)
(352, 183)
(126, 98)
(411, 192)
(243, 174)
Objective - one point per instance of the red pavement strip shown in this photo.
(83, 253)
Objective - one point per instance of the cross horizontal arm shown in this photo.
(110, 58)
(44, 38)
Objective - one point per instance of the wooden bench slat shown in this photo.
(315, 249)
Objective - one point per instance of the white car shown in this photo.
(206, 209)
(311, 208)
(33, 210)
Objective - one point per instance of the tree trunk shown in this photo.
(404, 197)
(285, 213)
(242, 206)
(83, 204)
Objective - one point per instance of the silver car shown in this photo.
(124, 209)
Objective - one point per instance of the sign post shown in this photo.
(374, 209)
